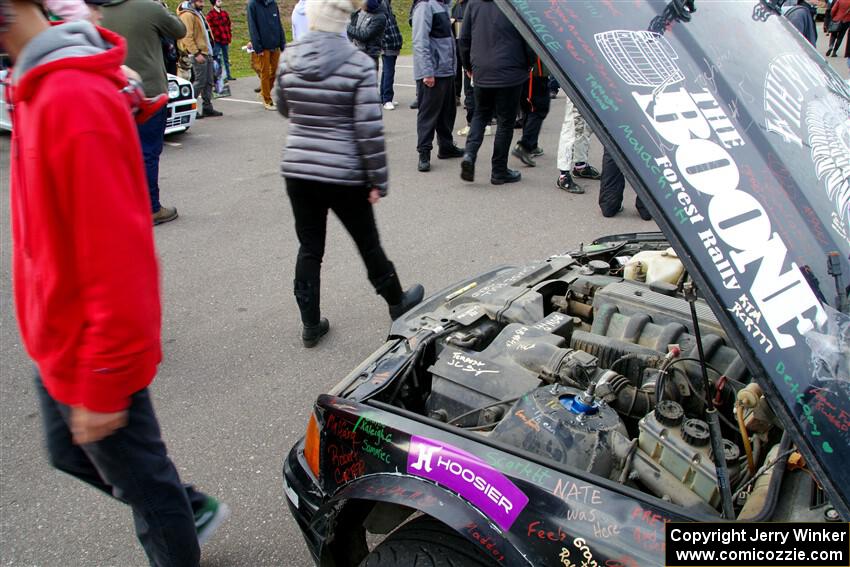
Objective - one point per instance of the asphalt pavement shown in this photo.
(235, 386)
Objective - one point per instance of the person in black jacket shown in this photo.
(268, 40)
(366, 28)
(498, 60)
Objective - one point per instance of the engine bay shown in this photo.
(592, 360)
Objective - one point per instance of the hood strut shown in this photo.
(833, 264)
(711, 412)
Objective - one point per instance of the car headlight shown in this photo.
(173, 89)
(186, 90)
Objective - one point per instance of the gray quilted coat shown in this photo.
(328, 90)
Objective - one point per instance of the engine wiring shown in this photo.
(764, 468)
(415, 361)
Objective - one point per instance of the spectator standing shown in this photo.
(573, 148)
(143, 24)
(611, 190)
(366, 28)
(198, 44)
(169, 48)
(462, 79)
(463, 84)
(414, 104)
(334, 158)
(222, 34)
(827, 17)
(434, 60)
(268, 40)
(497, 57)
(801, 14)
(391, 47)
(86, 282)
(840, 13)
(456, 17)
(299, 20)
(535, 102)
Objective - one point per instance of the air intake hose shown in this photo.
(623, 396)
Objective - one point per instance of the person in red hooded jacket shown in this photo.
(85, 274)
(840, 13)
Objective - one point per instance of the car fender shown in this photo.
(344, 515)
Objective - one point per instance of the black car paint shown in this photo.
(620, 526)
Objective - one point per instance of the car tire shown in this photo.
(426, 542)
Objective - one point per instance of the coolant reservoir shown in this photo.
(654, 265)
(683, 448)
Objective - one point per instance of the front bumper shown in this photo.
(304, 498)
(181, 115)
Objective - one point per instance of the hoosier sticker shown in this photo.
(468, 476)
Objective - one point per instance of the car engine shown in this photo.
(590, 359)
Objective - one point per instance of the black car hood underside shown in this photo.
(736, 134)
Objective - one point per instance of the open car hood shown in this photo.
(736, 134)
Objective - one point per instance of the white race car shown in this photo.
(182, 106)
(5, 122)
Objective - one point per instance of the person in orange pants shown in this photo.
(268, 40)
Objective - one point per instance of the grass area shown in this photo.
(240, 62)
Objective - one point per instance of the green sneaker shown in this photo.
(209, 518)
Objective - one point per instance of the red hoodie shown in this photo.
(841, 11)
(85, 273)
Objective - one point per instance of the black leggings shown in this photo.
(311, 201)
(836, 37)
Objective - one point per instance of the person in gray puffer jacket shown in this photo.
(334, 158)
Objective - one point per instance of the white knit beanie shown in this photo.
(330, 15)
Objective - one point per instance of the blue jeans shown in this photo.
(388, 78)
(152, 137)
(132, 466)
(222, 53)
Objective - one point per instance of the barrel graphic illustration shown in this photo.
(640, 58)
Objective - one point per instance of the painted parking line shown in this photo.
(231, 99)
(227, 98)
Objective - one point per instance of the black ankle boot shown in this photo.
(409, 299)
(307, 294)
(424, 162)
(399, 302)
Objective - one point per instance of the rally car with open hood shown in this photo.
(562, 411)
